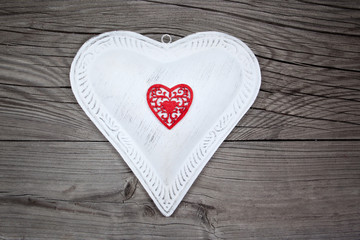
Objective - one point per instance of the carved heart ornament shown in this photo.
(169, 105)
(165, 107)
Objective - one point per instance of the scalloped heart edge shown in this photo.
(235, 115)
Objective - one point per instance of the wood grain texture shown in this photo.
(276, 114)
(60, 179)
(295, 190)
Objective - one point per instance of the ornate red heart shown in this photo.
(169, 105)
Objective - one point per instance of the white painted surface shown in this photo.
(111, 74)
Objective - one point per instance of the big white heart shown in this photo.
(130, 87)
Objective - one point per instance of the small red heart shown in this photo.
(169, 104)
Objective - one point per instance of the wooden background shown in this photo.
(289, 170)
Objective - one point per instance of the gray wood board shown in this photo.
(261, 189)
(271, 179)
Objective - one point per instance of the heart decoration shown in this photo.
(198, 87)
(169, 105)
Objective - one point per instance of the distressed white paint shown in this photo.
(111, 74)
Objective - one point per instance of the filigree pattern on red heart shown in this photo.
(169, 105)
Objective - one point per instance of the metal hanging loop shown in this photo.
(166, 36)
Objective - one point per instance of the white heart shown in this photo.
(111, 74)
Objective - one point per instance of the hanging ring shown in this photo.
(166, 36)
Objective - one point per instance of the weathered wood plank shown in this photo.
(272, 190)
(35, 113)
(310, 84)
(48, 37)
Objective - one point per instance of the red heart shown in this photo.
(169, 104)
